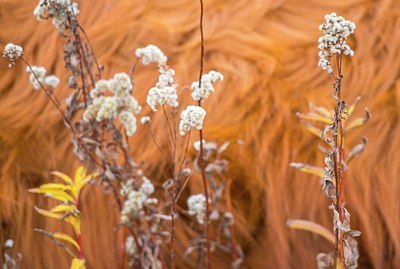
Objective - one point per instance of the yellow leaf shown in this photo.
(82, 181)
(63, 176)
(67, 238)
(47, 213)
(313, 227)
(80, 174)
(314, 170)
(315, 117)
(53, 186)
(56, 194)
(353, 106)
(78, 264)
(75, 221)
(314, 130)
(63, 208)
(322, 111)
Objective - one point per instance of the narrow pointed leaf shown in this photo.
(354, 105)
(314, 170)
(47, 213)
(315, 117)
(313, 227)
(63, 176)
(56, 194)
(63, 208)
(67, 238)
(360, 121)
(75, 222)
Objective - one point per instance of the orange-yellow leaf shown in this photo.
(63, 176)
(315, 117)
(78, 264)
(353, 106)
(314, 170)
(314, 130)
(322, 111)
(313, 227)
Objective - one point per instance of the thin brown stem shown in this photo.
(201, 154)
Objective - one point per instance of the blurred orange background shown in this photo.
(267, 51)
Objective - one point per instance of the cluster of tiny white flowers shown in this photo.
(13, 53)
(121, 101)
(130, 246)
(336, 30)
(40, 72)
(57, 10)
(207, 80)
(151, 53)
(191, 117)
(145, 120)
(164, 93)
(136, 199)
(197, 207)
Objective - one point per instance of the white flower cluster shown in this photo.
(150, 54)
(58, 10)
(120, 102)
(12, 52)
(164, 93)
(197, 207)
(191, 117)
(336, 30)
(136, 199)
(40, 72)
(145, 119)
(130, 246)
(207, 80)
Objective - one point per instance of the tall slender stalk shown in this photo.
(338, 153)
(201, 153)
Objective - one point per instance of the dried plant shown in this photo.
(101, 116)
(333, 48)
(10, 261)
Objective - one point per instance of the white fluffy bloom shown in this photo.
(151, 53)
(197, 207)
(130, 246)
(136, 199)
(145, 120)
(57, 10)
(336, 30)
(164, 93)
(120, 102)
(40, 72)
(128, 121)
(13, 53)
(207, 80)
(147, 187)
(133, 205)
(9, 243)
(191, 117)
